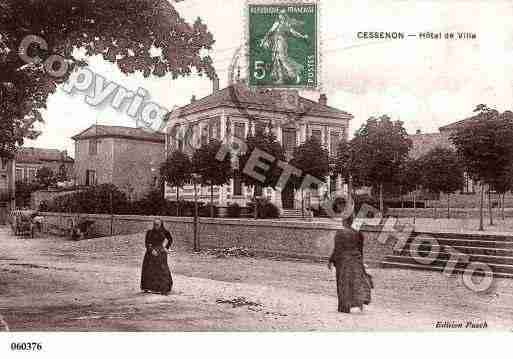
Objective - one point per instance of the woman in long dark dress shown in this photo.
(353, 283)
(156, 276)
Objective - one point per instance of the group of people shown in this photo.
(354, 284)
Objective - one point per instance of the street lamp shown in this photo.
(195, 179)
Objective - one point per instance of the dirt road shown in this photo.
(51, 284)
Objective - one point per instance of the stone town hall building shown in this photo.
(236, 111)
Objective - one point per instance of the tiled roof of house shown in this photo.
(458, 124)
(40, 155)
(240, 96)
(133, 133)
(424, 142)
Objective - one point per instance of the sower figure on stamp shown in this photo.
(353, 283)
(156, 276)
(276, 39)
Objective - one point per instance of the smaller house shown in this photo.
(469, 195)
(30, 159)
(127, 157)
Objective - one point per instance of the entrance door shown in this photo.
(287, 197)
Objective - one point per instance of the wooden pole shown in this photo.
(481, 209)
(196, 237)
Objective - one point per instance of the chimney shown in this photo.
(193, 98)
(323, 99)
(215, 84)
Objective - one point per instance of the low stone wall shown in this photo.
(441, 212)
(294, 239)
(47, 196)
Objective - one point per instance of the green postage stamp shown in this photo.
(283, 44)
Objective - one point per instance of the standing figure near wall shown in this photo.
(353, 283)
(156, 276)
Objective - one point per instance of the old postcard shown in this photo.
(253, 165)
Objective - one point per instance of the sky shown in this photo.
(423, 82)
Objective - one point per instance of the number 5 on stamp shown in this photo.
(283, 44)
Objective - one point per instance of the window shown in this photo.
(333, 183)
(289, 139)
(4, 163)
(468, 185)
(90, 178)
(237, 184)
(317, 134)
(32, 175)
(258, 190)
(334, 141)
(19, 174)
(93, 146)
(214, 129)
(204, 135)
(239, 130)
(259, 127)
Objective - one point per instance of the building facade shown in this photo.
(127, 157)
(29, 160)
(7, 187)
(237, 111)
(469, 195)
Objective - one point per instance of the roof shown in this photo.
(240, 96)
(424, 142)
(132, 133)
(40, 155)
(455, 125)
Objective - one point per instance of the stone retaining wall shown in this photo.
(441, 212)
(294, 239)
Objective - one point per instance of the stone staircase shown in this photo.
(291, 213)
(494, 250)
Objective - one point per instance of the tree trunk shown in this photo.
(401, 196)
(381, 198)
(481, 204)
(414, 205)
(490, 211)
(502, 204)
(448, 207)
(302, 203)
(177, 201)
(255, 212)
(211, 201)
(350, 196)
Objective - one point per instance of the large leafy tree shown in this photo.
(176, 171)
(210, 170)
(442, 172)
(502, 184)
(313, 160)
(379, 148)
(145, 36)
(484, 144)
(409, 177)
(266, 142)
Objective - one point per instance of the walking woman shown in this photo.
(156, 276)
(353, 283)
